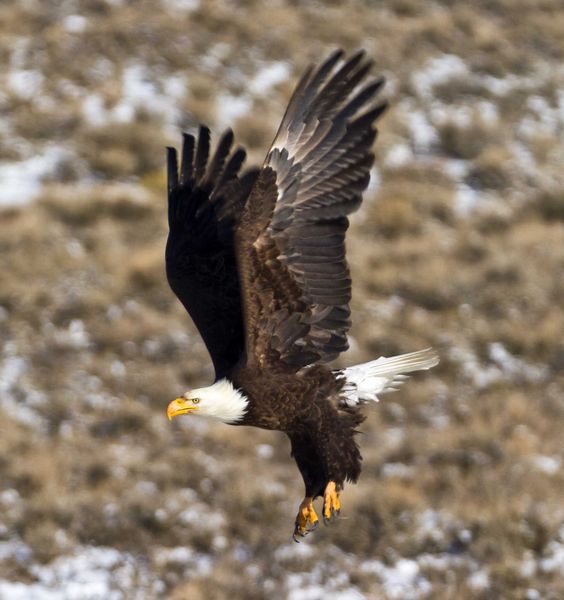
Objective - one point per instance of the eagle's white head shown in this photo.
(220, 401)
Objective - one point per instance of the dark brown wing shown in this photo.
(291, 241)
(204, 205)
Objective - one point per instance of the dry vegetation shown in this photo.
(460, 245)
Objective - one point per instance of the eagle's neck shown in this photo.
(222, 401)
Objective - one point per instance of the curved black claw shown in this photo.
(298, 532)
(303, 533)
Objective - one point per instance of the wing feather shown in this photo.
(205, 202)
(290, 244)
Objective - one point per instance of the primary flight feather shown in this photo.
(257, 258)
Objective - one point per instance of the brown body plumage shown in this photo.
(308, 407)
(258, 260)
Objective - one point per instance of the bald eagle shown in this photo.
(257, 258)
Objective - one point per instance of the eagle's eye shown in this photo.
(195, 400)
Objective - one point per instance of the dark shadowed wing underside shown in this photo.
(206, 200)
(290, 244)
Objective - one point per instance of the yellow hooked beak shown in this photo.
(179, 406)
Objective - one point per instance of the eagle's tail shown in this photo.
(364, 382)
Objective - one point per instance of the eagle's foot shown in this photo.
(331, 502)
(306, 519)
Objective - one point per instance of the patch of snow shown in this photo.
(265, 451)
(117, 369)
(141, 91)
(431, 524)
(13, 387)
(426, 111)
(20, 52)
(397, 470)
(547, 119)
(220, 542)
(104, 69)
(274, 488)
(94, 111)
(174, 86)
(406, 579)
(269, 76)
(465, 536)
(328, 578)
(9, 497)
(439, 421)
(498, 86)
(488, 112)
(316, 592)
(182, 5)
(422, 133)
(75, 248)
(393, 437)
(69, 88)
(75, 23)
(374, 182)
(230, 108)
(137, 85)
(437, 71)
(457, 169)
(401, 580)
(89, 573)
(114, 313)
(11, 370)
(161, 515)
(466, 199)
(15, 550)
(554, 562)
(506, 368)
(515, 368)
(459, 114)
(479, 580)
(198, 515)
(74, 336)
(196, 563)
(354, 346)
(528, 566)
(292, 551)
(398, 156)
(480, 376)
(21, 181)
(396, 411)
(388, 308)
(550, 465)
(26, 83)
(99, 401)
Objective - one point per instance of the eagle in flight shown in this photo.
(257, 258)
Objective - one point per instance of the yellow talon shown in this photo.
(306, 517)
(331, 502)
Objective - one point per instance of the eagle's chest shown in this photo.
(277, 409)
(284, 403)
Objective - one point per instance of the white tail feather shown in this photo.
(365, 381)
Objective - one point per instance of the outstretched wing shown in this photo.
(205, 202)
(291, 240)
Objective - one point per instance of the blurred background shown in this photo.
(459, 245)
